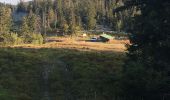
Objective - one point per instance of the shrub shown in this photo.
(4, 95)
(33, 38)
(9, 39)
(37, 39)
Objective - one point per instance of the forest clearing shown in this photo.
(79, 43)
(84, 49)
(58, 72)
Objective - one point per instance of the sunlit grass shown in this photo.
(79, 43)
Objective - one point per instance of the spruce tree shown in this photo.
(5, 19)
(146, 71)
(91, 16)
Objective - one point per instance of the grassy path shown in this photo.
(66, 73)
(55, 63)
(45, 76)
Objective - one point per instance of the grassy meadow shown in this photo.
(75, 71)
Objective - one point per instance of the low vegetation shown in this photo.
(75, 73)
(20, 72)
(9, 39)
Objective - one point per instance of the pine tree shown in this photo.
(24, 28)
(5, 19)
(22, 7)
(51, 18)
(32, 22)
(29, 24)
(91, 16)
(146, 70)
(60, 11)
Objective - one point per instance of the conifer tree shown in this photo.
(91, 17)
(146, 70)
(25, 28)
(5, 19)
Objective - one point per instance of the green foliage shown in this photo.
(51, 17)
(24, 28)
(22, 6)
(10, 39)
(5, 19)
(86, 13)
(89, 75)
(91, 14)
(28, 30)
(13, 39)
(37, 39)
(32, 22)
(142, 81)
(4, 95)
(77, 74)
(146, 70)
(34, 38)
(19, 74)
(65, 28)
(29, 24)
(72, 29)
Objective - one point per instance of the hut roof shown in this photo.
(106, 36)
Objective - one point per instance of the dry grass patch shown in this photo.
(79, 44)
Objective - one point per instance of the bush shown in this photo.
(9, 39)
(33, 38)
(74, 29)
(4, 95)
(37, 39)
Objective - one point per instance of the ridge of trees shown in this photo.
(65, 16)
(78, 14)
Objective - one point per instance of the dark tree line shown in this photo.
(27, 31)
(72, 15)
(63, 16)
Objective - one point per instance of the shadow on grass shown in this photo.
(74, 72)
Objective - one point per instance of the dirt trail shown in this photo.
(45, 79)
